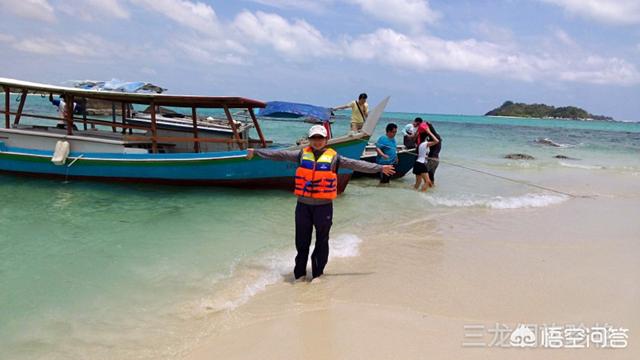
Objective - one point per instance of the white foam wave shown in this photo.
(581, 166)
(531, 200)
(547, 141)
(254, 276)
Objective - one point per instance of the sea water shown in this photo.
(100, 271)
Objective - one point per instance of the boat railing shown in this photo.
(120, 123)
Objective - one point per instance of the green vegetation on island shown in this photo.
(509, 108)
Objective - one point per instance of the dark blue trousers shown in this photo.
(308, 217)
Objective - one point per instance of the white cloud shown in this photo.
(196, 15)
(429, 53)
(412, 14)
(296, 39)
(564, 38)
(30, 9)
(492, 32)
(308, 5)
(210, 51)
(598, 70)
(623, 12)
(83, 46)
(5, 38)
(89, 10)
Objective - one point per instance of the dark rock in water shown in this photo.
(564, 157)
(519, 157)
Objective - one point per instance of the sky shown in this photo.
(451, 57)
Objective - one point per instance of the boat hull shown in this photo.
(217, 169)
(406, 159)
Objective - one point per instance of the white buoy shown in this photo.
(61, 153)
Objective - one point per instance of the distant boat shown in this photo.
(119, 149)
(406, 159)
(290, 110)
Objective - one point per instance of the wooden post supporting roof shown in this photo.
(23, 98)
(124, 117)
(84, 114)
(154, 129)
(196, 144)
(232, 124)
(69, 113)
(113, 116)
(258, 129)
(7, 108)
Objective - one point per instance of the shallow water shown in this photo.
(91, 270)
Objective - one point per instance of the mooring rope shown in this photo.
(527, 183)
(522, 182)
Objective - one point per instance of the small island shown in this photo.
(509, 108)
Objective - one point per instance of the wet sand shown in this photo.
(417, 283)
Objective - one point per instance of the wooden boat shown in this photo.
(118, 150)
(406, 158)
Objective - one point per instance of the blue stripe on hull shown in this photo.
(179, 167)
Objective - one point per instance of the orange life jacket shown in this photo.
(317, 179)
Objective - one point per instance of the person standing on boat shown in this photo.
(316, 185)
(387, 150)
(61, 104)
(359, 112)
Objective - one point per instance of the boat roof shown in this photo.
(158, 99)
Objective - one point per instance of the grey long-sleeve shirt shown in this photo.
(294, 156)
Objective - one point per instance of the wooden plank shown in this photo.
(23, 99)
(7, 107)
(196, 144)
(232, 124)
(167, 139)
(258, 129)
(89, 120)
(154, 129)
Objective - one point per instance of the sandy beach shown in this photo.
(417, 284)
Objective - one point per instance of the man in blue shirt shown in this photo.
(387, 150)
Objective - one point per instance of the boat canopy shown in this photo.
(283, 109)
(134, 98)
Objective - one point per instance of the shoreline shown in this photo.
(416, 284)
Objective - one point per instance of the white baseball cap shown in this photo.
(318, 130)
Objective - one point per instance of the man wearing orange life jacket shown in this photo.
(316, 185)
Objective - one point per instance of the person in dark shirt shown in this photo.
(434, 153)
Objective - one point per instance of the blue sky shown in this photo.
(454, 57)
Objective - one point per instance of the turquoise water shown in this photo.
(91, 270)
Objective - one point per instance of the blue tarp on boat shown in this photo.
(118, 85)
(283, 109)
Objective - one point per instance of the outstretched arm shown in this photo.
(276, 155)
(365, 166)
(347, 106)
